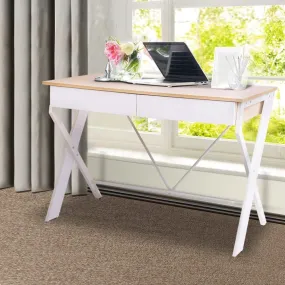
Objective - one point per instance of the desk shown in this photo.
(194, 104)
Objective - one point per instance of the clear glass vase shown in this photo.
(127, 69)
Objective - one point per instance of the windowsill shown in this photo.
(172, 161)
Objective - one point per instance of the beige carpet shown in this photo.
(120, 241)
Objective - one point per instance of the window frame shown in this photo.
(169, 140)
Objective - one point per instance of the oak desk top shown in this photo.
(188, 92)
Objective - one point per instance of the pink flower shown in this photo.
(113, 51)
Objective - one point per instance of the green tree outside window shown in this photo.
(262, 28)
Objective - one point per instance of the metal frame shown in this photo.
(251, 166)
(189, 170)
(71, 154)
(252, 169)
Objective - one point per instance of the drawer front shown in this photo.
(192, 110)
(93, 101)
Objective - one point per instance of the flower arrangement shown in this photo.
(125, 57)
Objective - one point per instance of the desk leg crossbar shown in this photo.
(188, 171)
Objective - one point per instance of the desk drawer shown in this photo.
(93, 101)
(192, 110)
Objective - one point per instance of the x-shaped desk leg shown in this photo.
(247, 163)
(71, 155)
(252, 169)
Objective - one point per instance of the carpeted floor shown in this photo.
(120, 241)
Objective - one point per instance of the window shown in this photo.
(260, 27)
(203, 25)
(146, 26)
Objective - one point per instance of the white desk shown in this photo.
(194, 104)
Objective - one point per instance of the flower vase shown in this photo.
(127, 69)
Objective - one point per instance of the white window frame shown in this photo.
(168, 140)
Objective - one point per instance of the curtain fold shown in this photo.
(62, 68)
(79, 66)
(22, 95)
(41, 67)
(6, 93)
(40, 40)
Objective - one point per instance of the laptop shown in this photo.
(176, 63)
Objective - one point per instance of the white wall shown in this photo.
(98, 32)
(205, 186)
(105, 18)
(120, 25)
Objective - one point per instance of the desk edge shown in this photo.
(234, 100)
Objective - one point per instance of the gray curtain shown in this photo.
(39, 40)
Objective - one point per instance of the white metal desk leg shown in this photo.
(63, 177)
(72, 146)
(149, 153)
(247, 163)
(62, 180)
(253, 175)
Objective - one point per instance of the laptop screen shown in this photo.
(175, 61)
